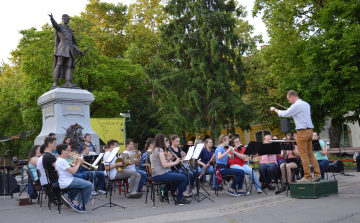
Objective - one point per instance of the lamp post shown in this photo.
(126, 115)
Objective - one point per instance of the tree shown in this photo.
(200, 61)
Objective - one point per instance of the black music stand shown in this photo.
(196, 197)
(253, 149)
(273, 148)
(109, 188)
(286, 146)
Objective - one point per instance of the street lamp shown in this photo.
(126, 115)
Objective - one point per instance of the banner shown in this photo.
(110, 128)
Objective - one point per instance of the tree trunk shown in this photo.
(336, 131)
(153, 94)
(232, 126)
(213, 125)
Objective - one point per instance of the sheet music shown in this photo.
(95, 163)
(112, 154)
(189, 153)
(197, 151)
(281, 140)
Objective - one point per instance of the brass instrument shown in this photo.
(74, 157)
(126, 160)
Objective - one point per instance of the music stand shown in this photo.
(109, 186)
(316, 145)
(195, 156)
(252, 149)
(286, 146)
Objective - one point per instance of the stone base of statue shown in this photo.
(62, 107)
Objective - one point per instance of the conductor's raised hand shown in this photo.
(272, 109)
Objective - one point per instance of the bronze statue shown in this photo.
(65, 51)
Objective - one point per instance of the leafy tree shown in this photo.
(200, 61)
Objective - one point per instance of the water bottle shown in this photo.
(169, 196)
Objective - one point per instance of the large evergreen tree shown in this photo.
(199, 64)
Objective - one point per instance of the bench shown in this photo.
(346, 150)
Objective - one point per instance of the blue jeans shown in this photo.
(281, 162)
(239, 177)
(179, 182)
(81, 176)
(322, 164)
(209, 170)
(264, 174)
(99, 178)
(358, 163)
(192, 174)
(85, 185)
(142, 180)
(248, 171)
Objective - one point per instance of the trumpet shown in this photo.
(74, 156)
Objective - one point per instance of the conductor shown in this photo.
(300, 111)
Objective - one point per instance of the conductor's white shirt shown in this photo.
(300, 111)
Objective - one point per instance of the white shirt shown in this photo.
(65, 177)
(132, 166)
(40, 167)
(300, 111)
(113, 171)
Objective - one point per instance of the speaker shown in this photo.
(285, 125)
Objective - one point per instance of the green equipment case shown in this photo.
(318, 189)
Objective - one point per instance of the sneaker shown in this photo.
(282, 189)
(316, 179)
(259, 191)
(66, 200)
(134, 195)
(242, 193)
(303, 180)
(93, 193)
(182, 202)
(233, 193)
(77, 207)
(100, 191)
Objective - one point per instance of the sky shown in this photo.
(23, 14)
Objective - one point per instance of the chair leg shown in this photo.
(153, 189)
(147, 191)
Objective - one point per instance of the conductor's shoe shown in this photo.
(304, 180)
(183, 201)
(316, 179)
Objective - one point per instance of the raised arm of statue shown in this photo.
(54, 23)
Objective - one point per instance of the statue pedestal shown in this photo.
(62, 107)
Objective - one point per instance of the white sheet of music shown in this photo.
(112, 154)
(189, 153)
(95, 163)
(197, 151)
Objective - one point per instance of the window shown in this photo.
(345, 137)
(259, 136)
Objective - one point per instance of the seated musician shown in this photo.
(239, 161)
(204, 158)
(159, 164)
(33, 158)
(117, 175)
(129, 143)
(268, 167)
(99, 179)
(48, 162)
(291, 160)
(67, 181)
(145, 158)
(40, 167)
(174, 147)
(222, 163)
(321, 155)
(67, 141)
(89, 143)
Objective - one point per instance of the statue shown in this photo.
(65, 51)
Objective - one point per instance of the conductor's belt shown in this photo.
(302, 129)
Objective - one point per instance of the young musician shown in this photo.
(158, 169)
(205, 156)
(87, 142)
(67, 181)
(239, 161)
(268, 163)
(67, 141)
(279, 158)
(144, 160)
(99, 175)
(116, 175)
(174, 147)
(49, 161)
(222, 163)
(33, 158)
(291, 159)
(321, 155)
(129, 143)
(40, 167)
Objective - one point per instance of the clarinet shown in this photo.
(167, 158)
(181, 163)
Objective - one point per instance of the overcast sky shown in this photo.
(17, 15)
